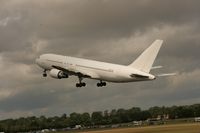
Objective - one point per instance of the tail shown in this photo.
(145, 61)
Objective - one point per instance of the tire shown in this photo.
(78, 85)
(84, 84)
(44, 75)
(98, 85)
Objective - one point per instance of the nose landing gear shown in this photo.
(45, 73)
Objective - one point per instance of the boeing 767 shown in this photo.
(59, 66)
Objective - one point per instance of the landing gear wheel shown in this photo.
(98, 84)
(83, 84)
(45, 73)
(80, 84)
(101, 84)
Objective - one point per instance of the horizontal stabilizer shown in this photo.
(166, 74)
(156, 67)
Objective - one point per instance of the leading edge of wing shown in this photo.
(80, 74)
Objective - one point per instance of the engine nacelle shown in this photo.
(55, 73)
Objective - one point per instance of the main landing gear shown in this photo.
(100, 84)
(45, 73)
(80, 84)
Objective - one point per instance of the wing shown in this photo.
(79, 73)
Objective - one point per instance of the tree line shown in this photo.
(97, 118)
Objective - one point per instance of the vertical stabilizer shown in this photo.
(145, 61)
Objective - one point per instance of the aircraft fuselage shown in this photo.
(95, 69)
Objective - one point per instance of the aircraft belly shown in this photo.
(111, 77)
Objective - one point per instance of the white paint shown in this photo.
(59, 66)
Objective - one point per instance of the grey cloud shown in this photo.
(28, 100)
(106, 30)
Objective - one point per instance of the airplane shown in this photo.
(60, 67)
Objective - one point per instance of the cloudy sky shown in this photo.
(115, 31)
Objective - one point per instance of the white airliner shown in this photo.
(60, 67)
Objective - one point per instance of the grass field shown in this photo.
(176, 128)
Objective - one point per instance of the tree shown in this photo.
(155, 111)
(196, 110)
(75, 119)
(107, 118)
(85, 119)
(134, 114)
(114, 117)
(123, 115)
(97, 118)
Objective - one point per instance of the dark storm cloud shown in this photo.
(105, 30)
(28, 100)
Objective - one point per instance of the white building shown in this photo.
(197, 119)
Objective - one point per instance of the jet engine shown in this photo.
(55, 73)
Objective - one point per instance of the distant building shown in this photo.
(115, 126)
(163, 117)
(137, 123)
(78, 127)
(197, 119)
(45, 130)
